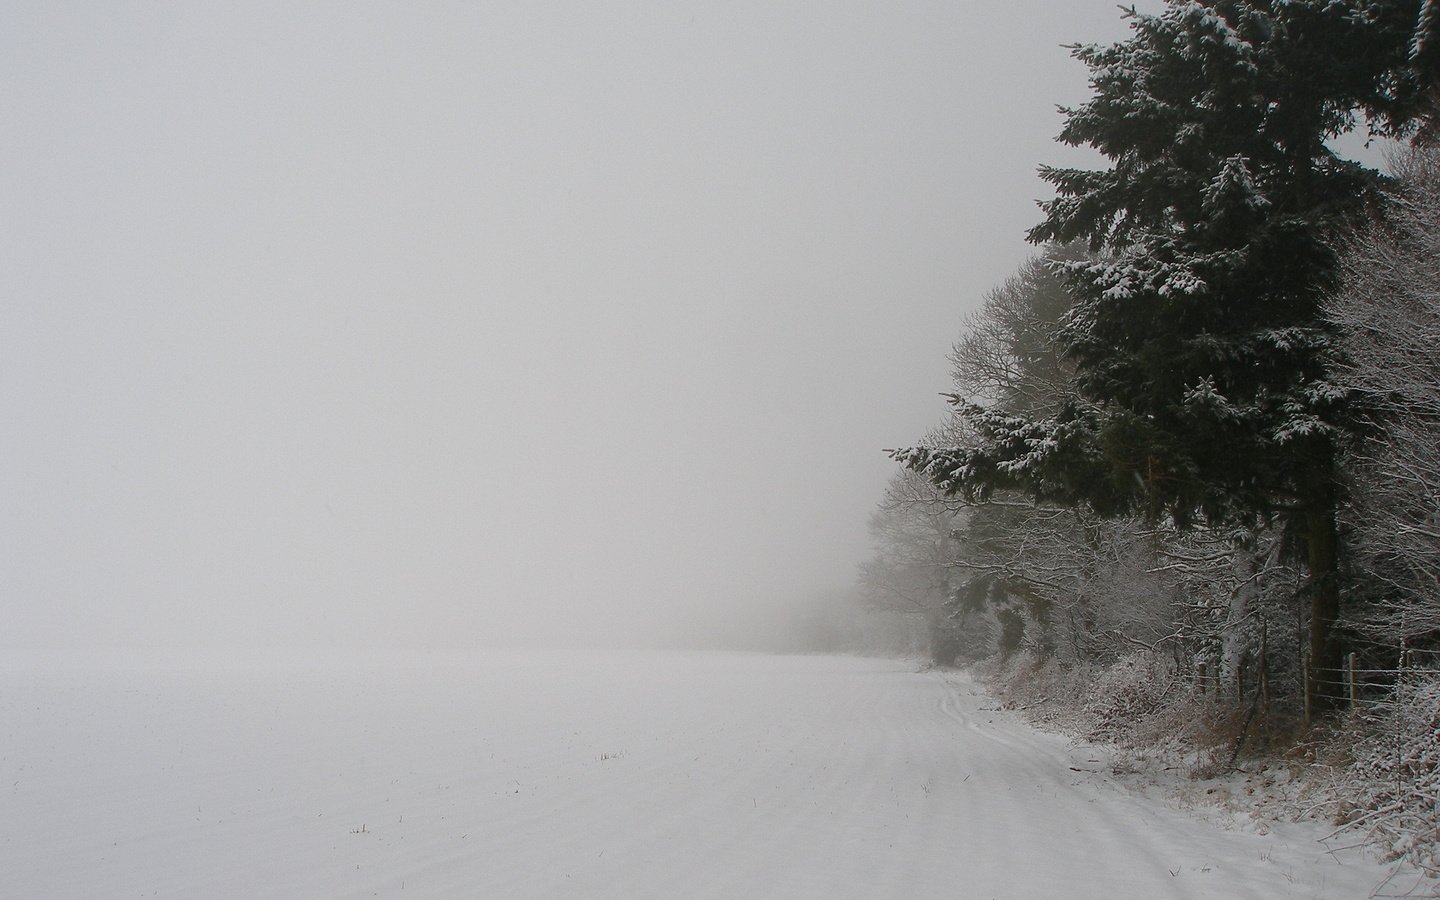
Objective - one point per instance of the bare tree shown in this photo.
(1388, 310)
(913, 532)
(1008, 354)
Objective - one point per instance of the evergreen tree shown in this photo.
(1202, 359)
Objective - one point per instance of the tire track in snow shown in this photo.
(622, 776)
(1114, 842)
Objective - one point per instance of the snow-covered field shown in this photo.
(619, 775)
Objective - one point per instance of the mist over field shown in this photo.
(465, 325)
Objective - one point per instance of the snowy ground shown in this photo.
(625, 776)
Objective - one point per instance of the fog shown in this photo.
(473, 324)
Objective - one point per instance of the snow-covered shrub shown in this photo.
(1126, 695)
(1393, 785)
(1045, 689)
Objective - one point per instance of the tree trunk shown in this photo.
(1326, 654)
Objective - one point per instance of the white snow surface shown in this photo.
(621, 775)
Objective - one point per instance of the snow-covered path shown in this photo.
(622, 776)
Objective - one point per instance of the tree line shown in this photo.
(1202, 425)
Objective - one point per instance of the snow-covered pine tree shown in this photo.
(1203, 361)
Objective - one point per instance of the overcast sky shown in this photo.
(469, 323)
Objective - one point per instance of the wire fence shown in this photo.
(1364, 684)
(1370, 688)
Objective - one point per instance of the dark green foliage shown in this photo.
(1202, 362)
(1012, 631)
(1199, 329)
